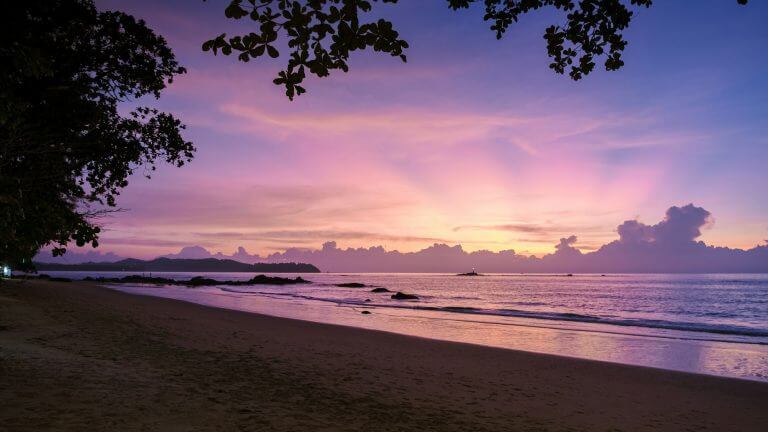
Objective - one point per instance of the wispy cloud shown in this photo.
(530, 228)
(289, 236)
(145, 241)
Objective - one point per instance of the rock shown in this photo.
(380, 290)
(201, 281)
(365, 313)
(198, 281)
(351, 285)
(268, 280)
(402, 296)
(472, 273)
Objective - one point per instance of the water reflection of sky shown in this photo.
(674, 350)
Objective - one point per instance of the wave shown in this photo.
(647, 323)
(518, 313)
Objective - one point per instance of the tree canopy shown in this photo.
(321, 34)
(67, 71)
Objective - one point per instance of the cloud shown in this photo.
(668, 246)
(144, 241)
(218, 203)
(399, 128)
(310, 235)
(531, 228)
(680, 225)
(191, 252)
(566, 243)
(518, 227)
(75, 256)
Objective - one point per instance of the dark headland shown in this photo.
(196, 281)
(182, 265)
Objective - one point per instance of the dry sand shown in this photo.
(79, 357)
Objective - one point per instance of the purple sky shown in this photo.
(473, 141)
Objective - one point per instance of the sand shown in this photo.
(75, 356)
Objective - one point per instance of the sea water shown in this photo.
(702, 323)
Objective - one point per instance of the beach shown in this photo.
(77, 356)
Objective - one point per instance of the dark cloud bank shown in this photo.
(669, 246)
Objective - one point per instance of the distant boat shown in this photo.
(472, 273)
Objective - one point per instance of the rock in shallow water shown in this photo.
(351, 285)
(402, 296)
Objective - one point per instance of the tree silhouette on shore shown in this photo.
(66, 151)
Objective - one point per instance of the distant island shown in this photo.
(196, 281)
(181, 265)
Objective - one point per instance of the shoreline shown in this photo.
(702, 353)
(67, 345)
(490, 323)
(738, 333)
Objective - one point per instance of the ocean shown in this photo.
(702, 323)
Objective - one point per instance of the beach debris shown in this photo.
(380, 290)
(402, 296)
(351, 285)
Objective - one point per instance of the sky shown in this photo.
(473, 141)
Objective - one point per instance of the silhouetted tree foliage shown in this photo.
(321, 34)
(66, 150)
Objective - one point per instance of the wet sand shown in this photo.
(75, 356)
